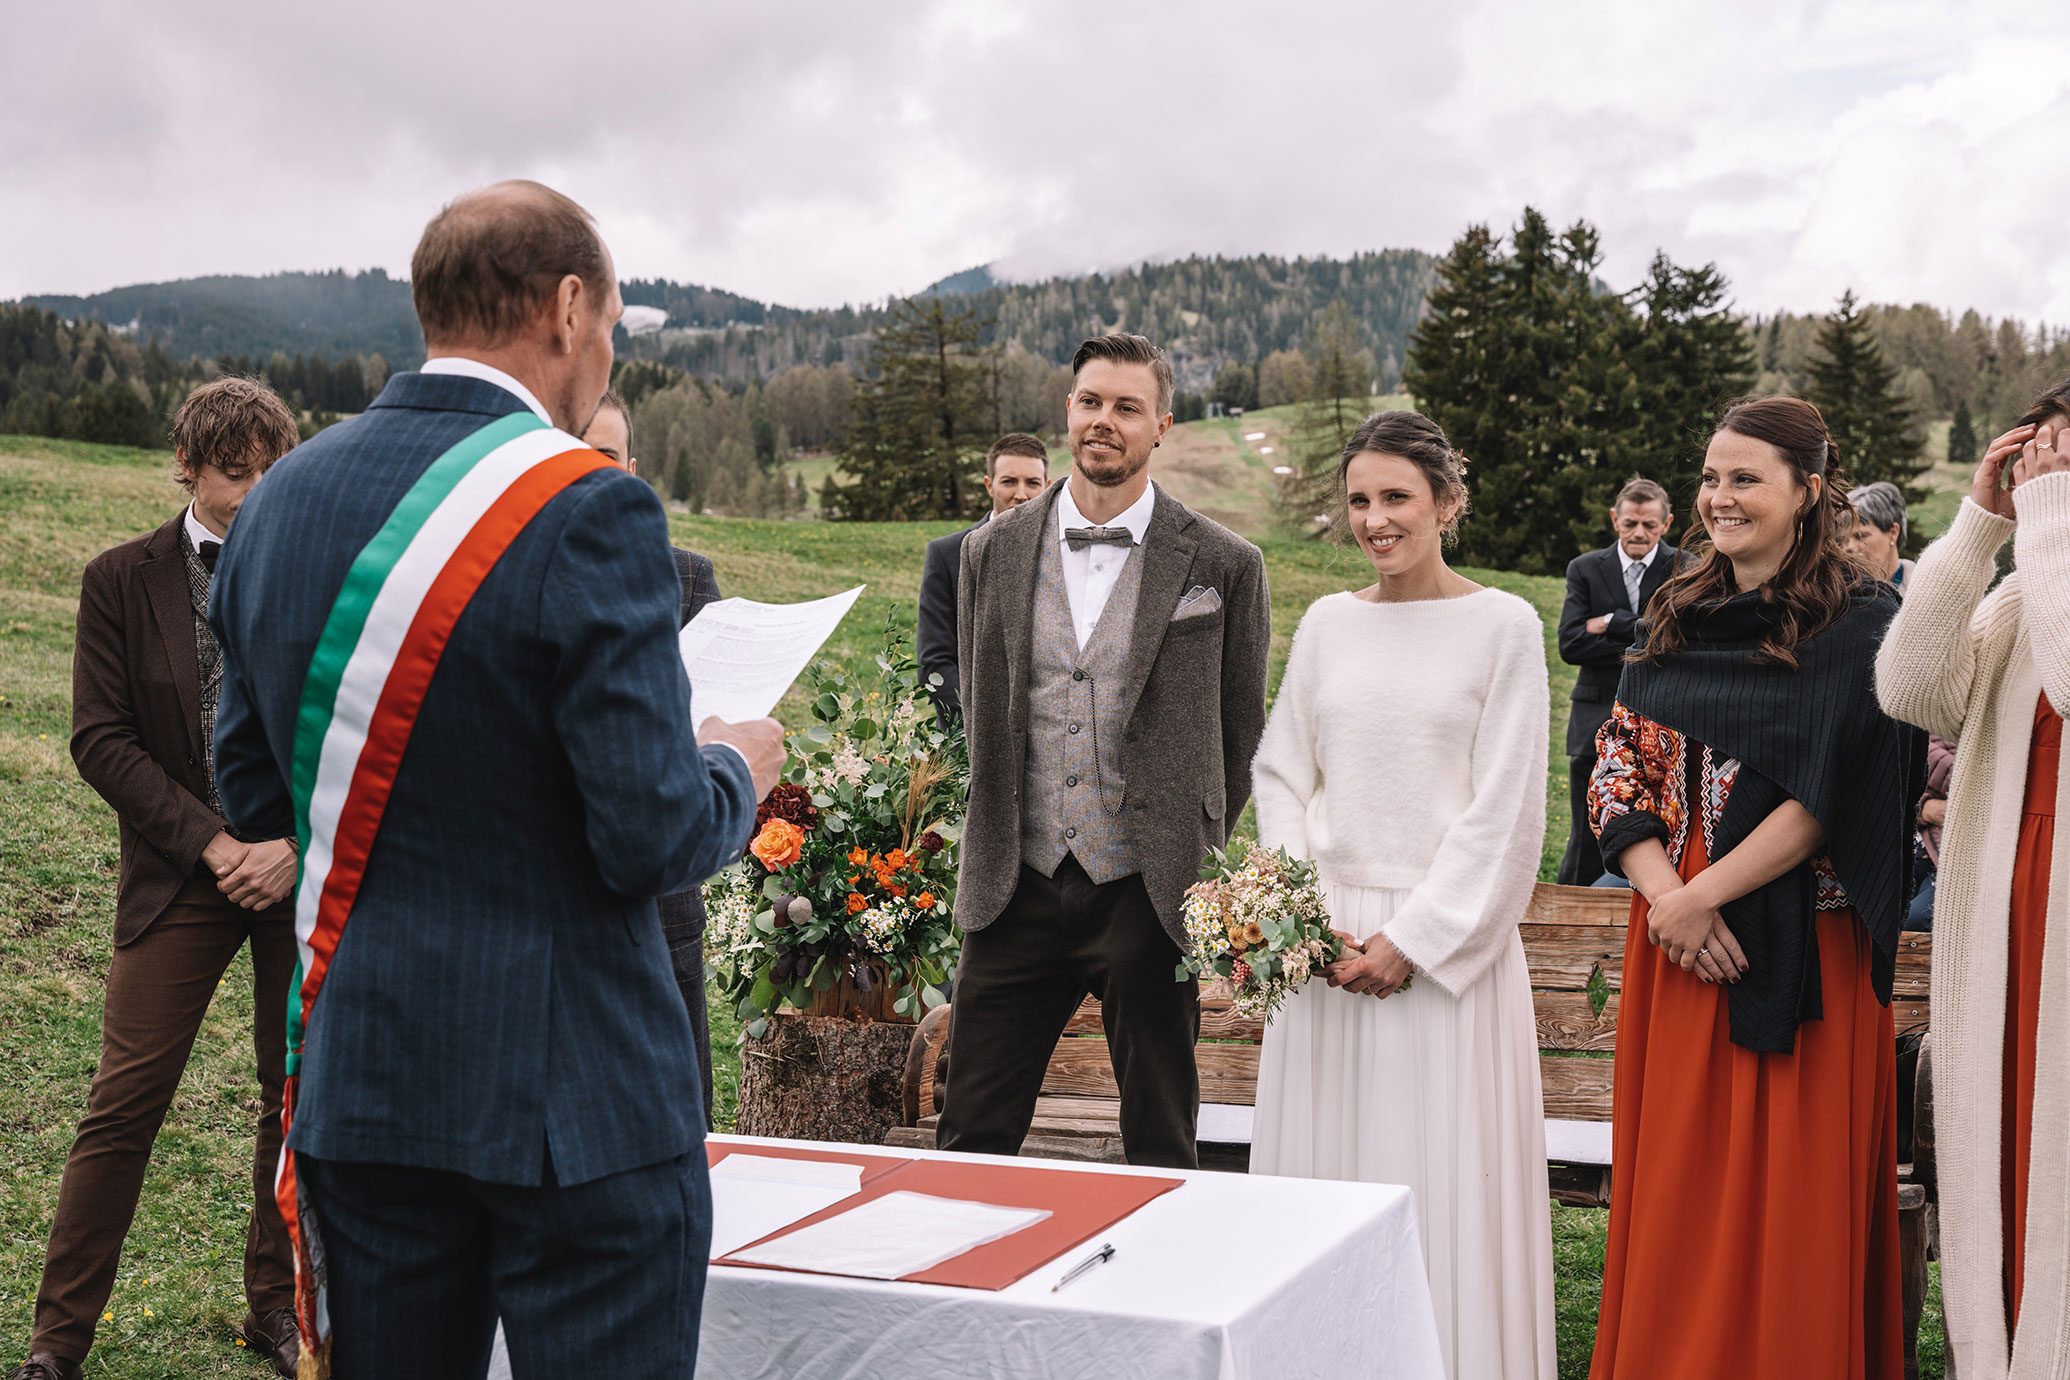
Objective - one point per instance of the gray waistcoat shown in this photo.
(1072, 796)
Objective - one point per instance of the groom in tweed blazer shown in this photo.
(1112, 649)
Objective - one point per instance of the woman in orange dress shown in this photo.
(1759, 801)
(1988, 668)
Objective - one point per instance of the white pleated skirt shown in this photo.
(1440, 1094)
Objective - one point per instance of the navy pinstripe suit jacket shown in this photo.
(501, 998)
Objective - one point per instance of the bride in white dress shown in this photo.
(1406, 755)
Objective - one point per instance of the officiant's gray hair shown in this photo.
(491, 259)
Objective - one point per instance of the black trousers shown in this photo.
(1582, 863)
(601, 1278)
(1019, 980)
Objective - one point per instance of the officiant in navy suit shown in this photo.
(498, 1109)
(1607, 592)
(1016, 470)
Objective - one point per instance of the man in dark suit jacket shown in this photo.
(1016, 470)
(1114, 647)
(498, 1109)
(146, 675)
(682, 912)
(1607, 591)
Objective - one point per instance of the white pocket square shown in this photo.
(1198, 603)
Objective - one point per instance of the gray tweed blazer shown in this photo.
(1193, 698)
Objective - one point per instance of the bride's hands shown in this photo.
(1378, 969)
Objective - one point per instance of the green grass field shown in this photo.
(179, 1295)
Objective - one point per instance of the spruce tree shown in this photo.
(1690, 356)
(911, 451)
(1336, 379)
(1854, 388)
(1963, 447)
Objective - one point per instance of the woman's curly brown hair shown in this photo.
(1814, 587)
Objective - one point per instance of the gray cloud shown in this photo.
(821, 152)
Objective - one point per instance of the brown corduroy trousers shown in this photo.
(159, 989)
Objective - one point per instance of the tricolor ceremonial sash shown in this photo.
(367, 680)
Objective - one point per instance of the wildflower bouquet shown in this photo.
(851, 876)
(1256, 917)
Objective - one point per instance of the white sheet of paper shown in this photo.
(898, 1234)
(742, 655)
(753, 1195)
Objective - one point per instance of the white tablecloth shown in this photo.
(1228, 1277)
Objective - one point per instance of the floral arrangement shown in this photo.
(851, 876)
(1256, 917)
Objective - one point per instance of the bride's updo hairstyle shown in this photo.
(1420, 441)
(1813, 588)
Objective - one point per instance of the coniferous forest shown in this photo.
(1554, 382)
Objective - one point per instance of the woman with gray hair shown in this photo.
(1877, 538)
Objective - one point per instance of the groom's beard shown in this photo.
(1108, 470)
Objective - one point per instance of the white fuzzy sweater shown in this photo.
(1970, 667)
(1406, 749)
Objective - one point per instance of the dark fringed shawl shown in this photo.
(1815, 735)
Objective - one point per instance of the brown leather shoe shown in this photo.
(42, 1365)
(275, 1337)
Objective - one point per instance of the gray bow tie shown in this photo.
(1078, 538)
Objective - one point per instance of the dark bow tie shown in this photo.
(208, 551)
(1078, 538)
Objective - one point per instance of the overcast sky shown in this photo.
(816, 153)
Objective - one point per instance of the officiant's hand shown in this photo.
(1378, 970)
(760, 741)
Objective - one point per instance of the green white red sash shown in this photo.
(366, 682)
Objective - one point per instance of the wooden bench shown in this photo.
(1574, 940)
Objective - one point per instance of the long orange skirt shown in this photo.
(2027, 928)
(1753, 1212)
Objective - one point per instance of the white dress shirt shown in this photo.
(1089, 575)
(487, 373)
(197, 532)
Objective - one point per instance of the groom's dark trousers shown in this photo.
(1021, 978)
(499, 1103)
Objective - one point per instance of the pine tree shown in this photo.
(1963, 447)
(1690, 356)
(1335, 379)
(1517, 358)
(1854, 388)
(910, 452)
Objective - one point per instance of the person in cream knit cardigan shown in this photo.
(1988, 671)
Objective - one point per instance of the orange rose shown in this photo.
(894, 888)
(897, 861)
(856, 904)
(780, 844)
(925, 900)
(858, 857)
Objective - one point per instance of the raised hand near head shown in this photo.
(1991, 489)
(2047, 453)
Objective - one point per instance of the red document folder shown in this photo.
(1080, 1206)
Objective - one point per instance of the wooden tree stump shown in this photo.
(824, 1078)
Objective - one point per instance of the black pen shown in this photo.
(1098, 1257)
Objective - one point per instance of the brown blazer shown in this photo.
(1195, 700)
(136, 719)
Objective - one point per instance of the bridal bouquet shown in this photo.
(1256, 917)
(851, 876)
